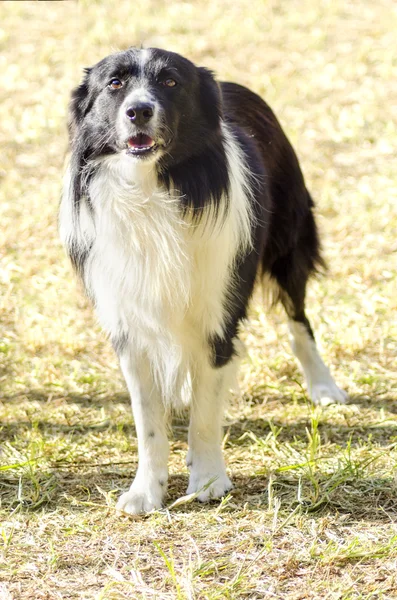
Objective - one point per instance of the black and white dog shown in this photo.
(181, 193)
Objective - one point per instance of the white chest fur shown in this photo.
(153, 274)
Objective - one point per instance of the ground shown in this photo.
(314, 508)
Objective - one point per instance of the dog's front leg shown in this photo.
(148, 488)
(205, 459)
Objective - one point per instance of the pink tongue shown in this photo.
(140, 141)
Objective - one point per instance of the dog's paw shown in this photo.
(141, 499)
(209, 483)
(327, 392)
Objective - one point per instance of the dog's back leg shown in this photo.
(291, 273)
(205, 461)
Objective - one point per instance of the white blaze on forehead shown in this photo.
(144, 57)
(141, 93)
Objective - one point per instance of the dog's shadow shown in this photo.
(371, 499)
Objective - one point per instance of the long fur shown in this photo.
(169, 242)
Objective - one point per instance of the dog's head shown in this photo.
(149, 104)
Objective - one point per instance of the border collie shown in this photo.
(180, 194)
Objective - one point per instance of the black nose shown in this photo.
(140, 113)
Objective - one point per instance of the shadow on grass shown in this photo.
(381, 432)
(296, 432)
(100, 398)
(15, 429)
(382, 435)
(103, 398)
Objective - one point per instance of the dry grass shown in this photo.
(313, 513)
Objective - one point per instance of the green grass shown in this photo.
(313, 513)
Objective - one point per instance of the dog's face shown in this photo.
(150, 104)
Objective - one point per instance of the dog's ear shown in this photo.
(80, 104)
(210, 97)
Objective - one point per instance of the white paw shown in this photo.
(210, 483)
(141, 498)
(327, 392)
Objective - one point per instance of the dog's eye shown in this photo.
(115, 83)
(169, 82)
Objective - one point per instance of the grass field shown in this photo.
(313, 514)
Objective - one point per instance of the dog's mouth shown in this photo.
(141, 144)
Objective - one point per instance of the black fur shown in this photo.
(286, 242)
